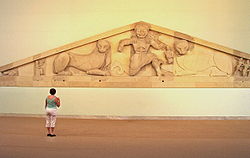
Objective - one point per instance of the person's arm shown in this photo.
(58, 102)
(45, 103)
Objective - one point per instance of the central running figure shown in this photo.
(141, 43)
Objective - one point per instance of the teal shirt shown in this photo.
(51, 103)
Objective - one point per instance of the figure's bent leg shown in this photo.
(157, 66)
(133, 72)
(137, 61)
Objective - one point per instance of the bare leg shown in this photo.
(52, 130)
(48, 128)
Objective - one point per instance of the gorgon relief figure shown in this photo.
(141, 43)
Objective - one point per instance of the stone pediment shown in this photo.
(136, 55)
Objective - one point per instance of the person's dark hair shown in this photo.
(52, 91)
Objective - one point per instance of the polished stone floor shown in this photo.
(25, 137)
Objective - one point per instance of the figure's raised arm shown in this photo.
(123, 43)
(158, 45)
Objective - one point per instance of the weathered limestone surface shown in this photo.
(136, 55)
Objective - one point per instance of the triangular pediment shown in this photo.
(137, 55)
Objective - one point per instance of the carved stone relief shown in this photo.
(141, 41)
(12, 72)
(140, 55)
(40, 66)
(242, 68)
(95, 63)
(246, 69)
(190, 61)
(182, 47)
(180, 58)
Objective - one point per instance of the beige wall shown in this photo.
(130, 101)
(30, 27)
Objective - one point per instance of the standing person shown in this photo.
(51, 104)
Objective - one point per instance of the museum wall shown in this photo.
(130, 101)
(31, 27)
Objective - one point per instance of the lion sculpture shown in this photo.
(95, 63)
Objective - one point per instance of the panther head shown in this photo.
(103, 46)
(182, 47)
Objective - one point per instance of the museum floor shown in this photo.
(22, 137)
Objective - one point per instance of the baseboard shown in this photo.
(103, 117)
